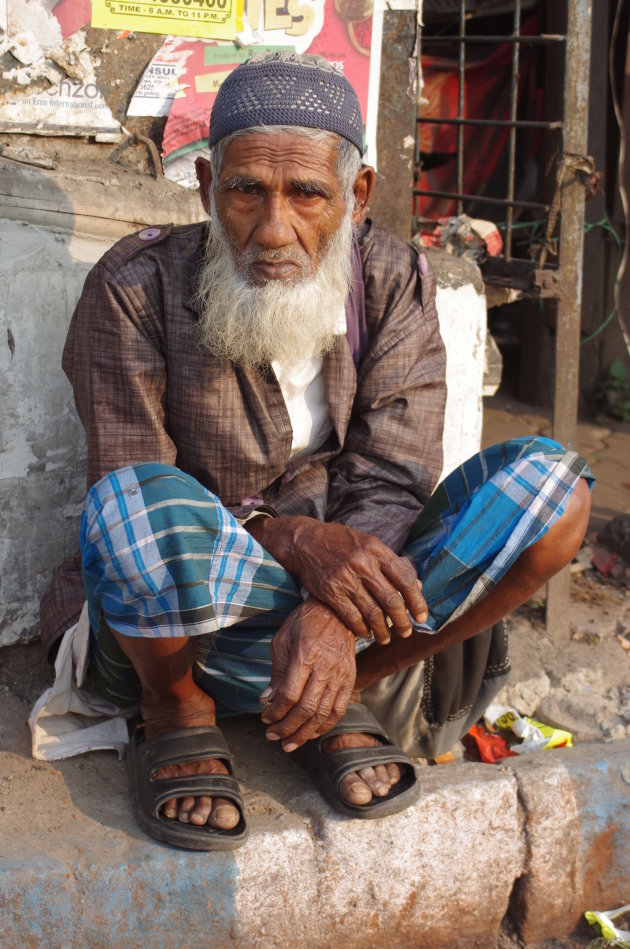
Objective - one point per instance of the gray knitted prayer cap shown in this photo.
(287, 89)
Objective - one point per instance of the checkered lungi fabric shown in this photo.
(162, 557)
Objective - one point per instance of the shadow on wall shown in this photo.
(54, 226)
(42, 454)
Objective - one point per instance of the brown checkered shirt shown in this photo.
(146, 391)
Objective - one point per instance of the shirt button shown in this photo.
(149, 234)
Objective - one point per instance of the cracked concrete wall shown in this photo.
(42, 454)
(42, 446)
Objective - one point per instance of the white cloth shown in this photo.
(304, 392)
(68, 719)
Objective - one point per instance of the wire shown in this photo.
(535, 227)
(622, 191)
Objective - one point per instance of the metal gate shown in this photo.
(559, 202)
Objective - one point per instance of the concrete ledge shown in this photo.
(577, 809)
(540, 840)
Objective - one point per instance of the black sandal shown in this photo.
(327, 770)
(145, 757)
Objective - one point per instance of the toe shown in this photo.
(354, 790)
(169, 809)
(224, 815)
(201, 811)
(184, 807)
(393, 772)
(376, 779)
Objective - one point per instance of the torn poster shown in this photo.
(69, 108)
(72, 15)
(215, 19)
(184, 76)
(161, 81)
(62, 97)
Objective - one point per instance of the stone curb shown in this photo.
(540, 839)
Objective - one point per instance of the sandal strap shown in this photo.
(181, 746)
(358, 718)
(196, 785)
(347, 760)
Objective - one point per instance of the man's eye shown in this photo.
(244, 187)
(310, 193)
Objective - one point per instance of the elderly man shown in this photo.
(263, 398)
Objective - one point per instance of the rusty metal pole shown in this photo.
(569, 307)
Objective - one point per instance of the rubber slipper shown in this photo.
(327, 770)
(145, 757)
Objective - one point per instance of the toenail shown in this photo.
(224, 811)
(290, 747)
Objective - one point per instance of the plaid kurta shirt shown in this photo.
(146, 391)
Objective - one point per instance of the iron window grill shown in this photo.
(464, 32)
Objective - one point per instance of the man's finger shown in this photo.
(373, 614)
(280, 661)
(286, 694)
(336, 702)
(313, 708)
(393, 611)
(404, 578)
(351, 615)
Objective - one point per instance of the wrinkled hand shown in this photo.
(313, 675)
(360, 578)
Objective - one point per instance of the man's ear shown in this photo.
(204, 177)
(363, 188)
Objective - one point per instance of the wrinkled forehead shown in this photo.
(279, 151)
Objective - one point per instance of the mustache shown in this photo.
(274, 256)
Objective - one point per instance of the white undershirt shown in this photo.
(304, 392)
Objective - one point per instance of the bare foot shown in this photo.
(361, 786)
(217, 812)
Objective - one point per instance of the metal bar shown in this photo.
(571, 266)
(501, 202)
(498, 123)
(512, 138)
(540, 40)
(461, 71)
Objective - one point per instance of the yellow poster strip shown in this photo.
(206, 19)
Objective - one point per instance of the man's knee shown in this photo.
(559, 545)
(575, 518)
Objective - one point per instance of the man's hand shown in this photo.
(313, 675)
(360, 578)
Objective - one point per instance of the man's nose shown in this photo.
(275, 227)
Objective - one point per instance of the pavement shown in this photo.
(490, 855)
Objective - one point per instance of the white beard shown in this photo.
(280, 320)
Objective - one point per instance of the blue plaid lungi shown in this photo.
(162, 558)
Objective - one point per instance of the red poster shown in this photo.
(338, 30)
